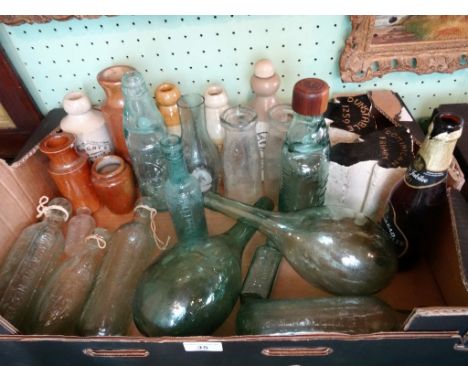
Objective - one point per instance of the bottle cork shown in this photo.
(167, 95)
(310, 97)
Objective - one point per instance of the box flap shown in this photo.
(438, 319)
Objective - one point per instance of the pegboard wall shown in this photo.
(192, 51)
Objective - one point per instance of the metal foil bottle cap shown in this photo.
(310, 96)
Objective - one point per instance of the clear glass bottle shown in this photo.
(279, 120)
(242, 167)
(108, 310)
(144, 128)
(338, 249)
(61, 301)
(192, 288)
(79, 226)
(30, 261)
(200, 153)
(306, 150)
(183, 194)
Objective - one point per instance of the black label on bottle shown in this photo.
(394, 232)
(418, 176)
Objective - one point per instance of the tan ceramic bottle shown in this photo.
(167, 95)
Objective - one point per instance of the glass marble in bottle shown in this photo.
(242, 166)
(337, 249)
(200, 153)
(108, 310)
(61, 301)
(30, 262)
(79, 226)
(144, 128)
(192, 288)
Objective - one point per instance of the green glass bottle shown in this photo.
(306, 151)
(183, 194)
(192, 288)
(338, 249)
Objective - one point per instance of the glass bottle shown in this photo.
(242, 171)
(183, 194)
(418, 200)
(61, 301)
(144, 128)
(306, 150)
(108, 310)
(87, 124)
(110, 80)
(167, 95)
(114, 183)
(192, 288)
(79, 226)
(70, 170)
(200, 153)
(216, 101)
(352, 315)
(340, 250)
(30, 261)
(279, 120)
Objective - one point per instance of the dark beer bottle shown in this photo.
(417, 201)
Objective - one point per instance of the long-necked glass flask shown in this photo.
(144, 127)
(338, 249)
(192, 288)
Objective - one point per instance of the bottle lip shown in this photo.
(215, 96)
(113, 74)
(239, 117)
(100, 164)
(281, 115)
(76, 102)
(57, 143)
(167, 94)
(190, 101)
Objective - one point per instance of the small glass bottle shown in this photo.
(167, 95)
(70, 170)
(144, 128)
(31, 260)
(200, 153)
(87, 124)
(216, 101)
(110, 80)
(306, 151)
(61, 301)
(113, 181)
(242, 171)
(183, 194)
(79, 226)
(279, 120)
(108, 310)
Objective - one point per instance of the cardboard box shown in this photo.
(434, 296)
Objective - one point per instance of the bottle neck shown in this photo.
(177, 168)
(140, 112)
(307, 130)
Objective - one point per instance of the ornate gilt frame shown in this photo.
(31, 19)
(360, 60)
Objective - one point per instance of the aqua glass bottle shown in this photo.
(108, 310)
(306, 151)
(192, 288)
(183, 194)
(61, 301)
(337, 249)
(201, 154)
(30, 262)
(144, 127)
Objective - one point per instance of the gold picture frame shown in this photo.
(372, 50)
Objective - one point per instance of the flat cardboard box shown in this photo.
(433, 295)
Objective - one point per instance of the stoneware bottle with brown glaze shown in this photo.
(167, 95)
(110, 80)
(70, 170)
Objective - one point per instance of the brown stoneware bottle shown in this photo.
(110, 80)
(167, 95)
(70, 170)
(114, 183)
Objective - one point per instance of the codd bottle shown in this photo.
(192, 288)
(338, 249)
(200, 152)
(79, 226)
(183, 194)
(30, 261)
(144, 128)
(108, 310)
(61, 301)
(306, 150)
